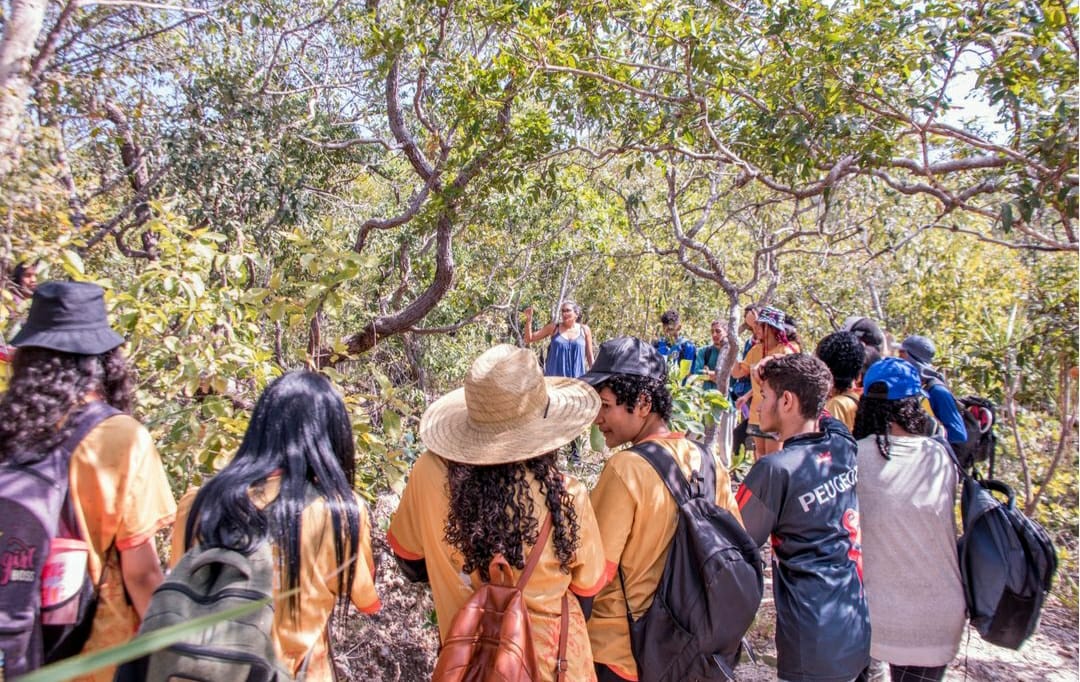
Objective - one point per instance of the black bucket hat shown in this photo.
(626, 355)
(68, 317)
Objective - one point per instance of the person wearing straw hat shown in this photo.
(67, 357)
(772, 333)
(485, 485)
(636, 513)
(907, 490)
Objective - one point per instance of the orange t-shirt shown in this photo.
(638, 517)
(755, 355)
(843, 406)
(121, 495)
(319, 586)
(418, 528)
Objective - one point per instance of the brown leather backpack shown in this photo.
(490, 638)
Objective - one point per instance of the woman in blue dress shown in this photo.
(571, 351)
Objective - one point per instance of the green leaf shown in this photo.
(72, 262)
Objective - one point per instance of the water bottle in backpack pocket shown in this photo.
(47, 599)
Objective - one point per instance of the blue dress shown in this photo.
(566, 357)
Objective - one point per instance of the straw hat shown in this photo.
(508, 411)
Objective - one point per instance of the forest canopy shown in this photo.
(378, 189)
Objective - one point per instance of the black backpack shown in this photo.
(710, 589)
(206, 581)
(1007, 561)
(979, 415)
(37, 521)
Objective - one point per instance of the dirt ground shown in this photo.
(399, 644)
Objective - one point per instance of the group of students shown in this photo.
(861, 567)
(290, 483)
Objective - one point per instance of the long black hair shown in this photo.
(46, 390)
(300, 429)
(492, 511)
(875, 414)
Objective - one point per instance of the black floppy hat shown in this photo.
(626, 355)
(68, 317)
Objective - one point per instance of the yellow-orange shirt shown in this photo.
(418, 528)
(293, 638)
(121, 496)
(755, 355)
(638, 517)
(843, 406)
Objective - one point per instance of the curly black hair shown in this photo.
(805, 376)
(843, 354)
(875, 414)
(630, 388)
(492, 511)
(45, 386)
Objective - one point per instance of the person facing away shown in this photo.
(570, 353)
(290, 484)
(485, 485)
(868, 331)
(678, 350)
(919, 351)
(804, 498)
(907, 491)
(708, 357)
(68, 356)
(843, 354)
(771, 331)
(637, 515)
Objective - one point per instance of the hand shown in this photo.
(529, 313)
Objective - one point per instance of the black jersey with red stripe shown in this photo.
(804, 498)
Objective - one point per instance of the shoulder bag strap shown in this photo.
(562, 664)
(535, 552)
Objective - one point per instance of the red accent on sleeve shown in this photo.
(373, 607)
(401, 551)
(743, 496)
(610, 568)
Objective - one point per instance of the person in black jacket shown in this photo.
(804, 497)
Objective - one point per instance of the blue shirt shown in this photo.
(566, 357)
(683, 348)
(943, 405)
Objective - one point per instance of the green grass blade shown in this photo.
(140, 646)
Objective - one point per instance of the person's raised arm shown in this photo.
(544, 331)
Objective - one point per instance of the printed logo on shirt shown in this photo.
(824, 458)
(851, 524)
(17, 563)
(828, 490)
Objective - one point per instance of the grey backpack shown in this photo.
(36, 513)
(710, 589)
(210, 581)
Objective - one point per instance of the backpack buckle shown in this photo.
(697, 484)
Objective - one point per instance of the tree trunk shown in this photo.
(16, 51)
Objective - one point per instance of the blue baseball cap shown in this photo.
(892, 379)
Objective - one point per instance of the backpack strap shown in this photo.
(702, 483)
(534, 553)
